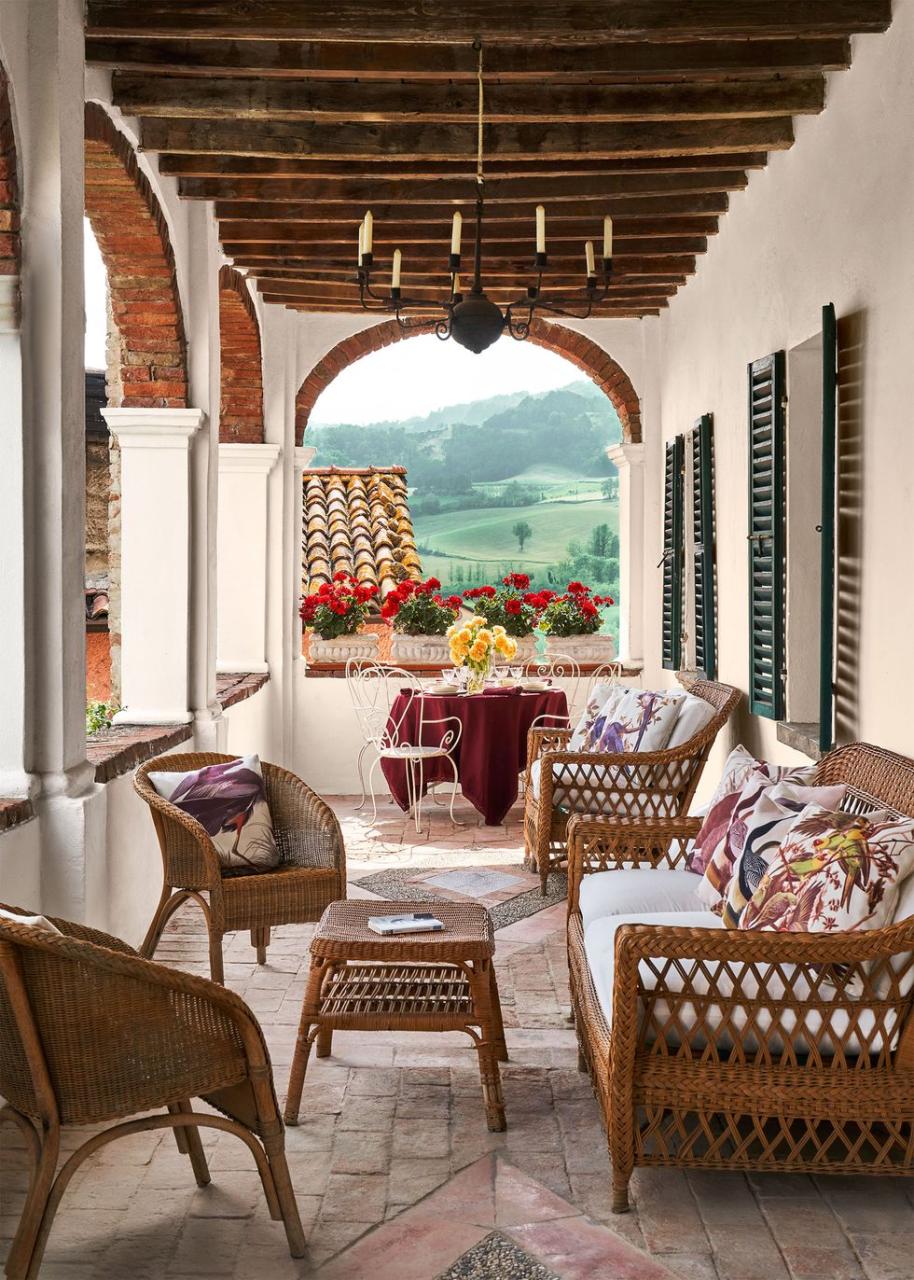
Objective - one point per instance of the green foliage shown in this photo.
(100, 714)
(522, 531)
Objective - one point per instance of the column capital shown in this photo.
(626, 454)
(304, 456)
(249, 459)
(155, 428)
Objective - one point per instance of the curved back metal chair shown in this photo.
(556, 666)
(90, 1033)
(311, 874)
(400, 730)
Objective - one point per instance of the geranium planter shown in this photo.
(428, 650)
(592, 648)
(364, 644)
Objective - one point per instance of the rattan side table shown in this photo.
(442, 981)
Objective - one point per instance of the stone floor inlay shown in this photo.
(497, 1258)
(418, 884)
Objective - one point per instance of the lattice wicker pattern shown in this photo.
(656, 785)
(749, 1049)
(354, 992)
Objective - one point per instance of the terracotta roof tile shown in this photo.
(357, 519)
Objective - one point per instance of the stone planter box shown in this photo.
(364, 644)
(595, 648)
(428, 650)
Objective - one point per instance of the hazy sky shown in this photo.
(406, 380)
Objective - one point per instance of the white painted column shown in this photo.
(155, 561)
(302, 459)
(629, 460)
(242, 555)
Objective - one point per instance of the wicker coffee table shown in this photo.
(442, 981)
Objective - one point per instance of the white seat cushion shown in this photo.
(633, 889)
(599, 947)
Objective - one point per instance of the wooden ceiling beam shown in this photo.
(502, 293)
(393, 234)
(415, 141)
(571, 22)
(513, 267)
(629, 312)
(568, 249)
(237, 99)
(586, 64)
(700, 209)
(438, 278)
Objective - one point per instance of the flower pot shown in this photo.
(428, 650)
(526, 649)
(364, 644)
(592, 648)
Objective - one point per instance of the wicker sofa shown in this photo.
(560, 783)
(720, 1048)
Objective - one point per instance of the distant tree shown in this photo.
(522, 531)
(603, 542)
(610, 488)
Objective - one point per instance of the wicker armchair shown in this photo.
(647, 784)
(742, 1049)
(91, 1033)
(312, 873)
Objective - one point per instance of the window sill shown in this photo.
(802, 737)
(234, 686)
(14, 812)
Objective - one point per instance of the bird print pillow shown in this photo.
(834, 872)
(638, 721)
(230, 803)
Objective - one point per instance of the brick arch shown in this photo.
(9, 186)
(150, 369)
(598, 364)
(241, 403)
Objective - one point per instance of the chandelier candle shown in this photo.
(541, 232)
(607, 238)
(395, 277)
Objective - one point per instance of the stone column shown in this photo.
(302, 459)
(629, 460)
(242, 555)
(155, 562)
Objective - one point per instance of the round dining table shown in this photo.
(491, 752)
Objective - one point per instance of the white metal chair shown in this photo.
(374, 688)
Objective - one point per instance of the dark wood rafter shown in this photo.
(295, 120)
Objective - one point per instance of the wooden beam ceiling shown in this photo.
(295, 119)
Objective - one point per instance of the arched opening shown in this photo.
(132, 298)
(241, 404)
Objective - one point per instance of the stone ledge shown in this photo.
(337, 670)
(802, 737)
(13, 812)
(235, 686)
(120, 748)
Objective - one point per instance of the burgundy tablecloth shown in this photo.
(492, 750)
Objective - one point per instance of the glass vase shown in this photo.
(476, 680)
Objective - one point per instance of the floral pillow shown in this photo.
(230, 802)
(834, 872)
(600, 697)
(739, 768)
(640, 721)
(760, 837)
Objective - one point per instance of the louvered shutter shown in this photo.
(827, 578)
(703, 538)
(672, 554)
(767, 466)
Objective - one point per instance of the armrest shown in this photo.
(541, 739)
(99, 939)
(609, 844)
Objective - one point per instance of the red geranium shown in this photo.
(513, 605)
(577, 613)
(416, 608)
(519, 581)
(339, 607)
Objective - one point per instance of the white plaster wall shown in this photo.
(829, 220)
(20, 865)
(255, 726)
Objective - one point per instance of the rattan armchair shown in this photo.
(91, 1033)
(647, 784)
(312, 873)
(742, 1049)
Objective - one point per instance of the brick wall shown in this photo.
(609, 376)
(241, 405)
(9, 188)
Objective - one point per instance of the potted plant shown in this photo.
(420, 617)
(509, 607)
(335, 614)
(475, 645)
(571, 623)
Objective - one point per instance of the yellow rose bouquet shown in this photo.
(474, 644)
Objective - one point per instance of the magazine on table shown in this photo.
(411, 922)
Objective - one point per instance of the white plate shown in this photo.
(535, 686)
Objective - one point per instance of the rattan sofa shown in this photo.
(90, 1034)
(312, 873)
(733, 1049)
(648, 784)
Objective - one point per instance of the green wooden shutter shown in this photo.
(827, 579)
(703, 535)
(767, 466)
(672, 554)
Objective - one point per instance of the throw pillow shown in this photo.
(694, 715)
(600, 697)
(739, 767)
(230, 802)
(641, 721)
(834, 872)
(34, 922)
(761, 835)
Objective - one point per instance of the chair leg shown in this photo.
(285, 1193)
(324, 1041)
(216, 966)
(165, 909)
(44, 1154)
(189, 1143)
(260, 938)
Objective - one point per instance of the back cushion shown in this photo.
(694, 715)
(599, 698)
(640, 721)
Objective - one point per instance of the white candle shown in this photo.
(588, 254)
(540, 229)
(361, 242)
(369, 231)
(395, 278)
(456, 227)
(455, 288)
(607, 237)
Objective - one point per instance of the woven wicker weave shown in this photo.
(654, 784)
(311, 875)
(742, 1049)
(91, 1033)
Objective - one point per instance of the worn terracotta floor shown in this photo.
(390, 1119)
